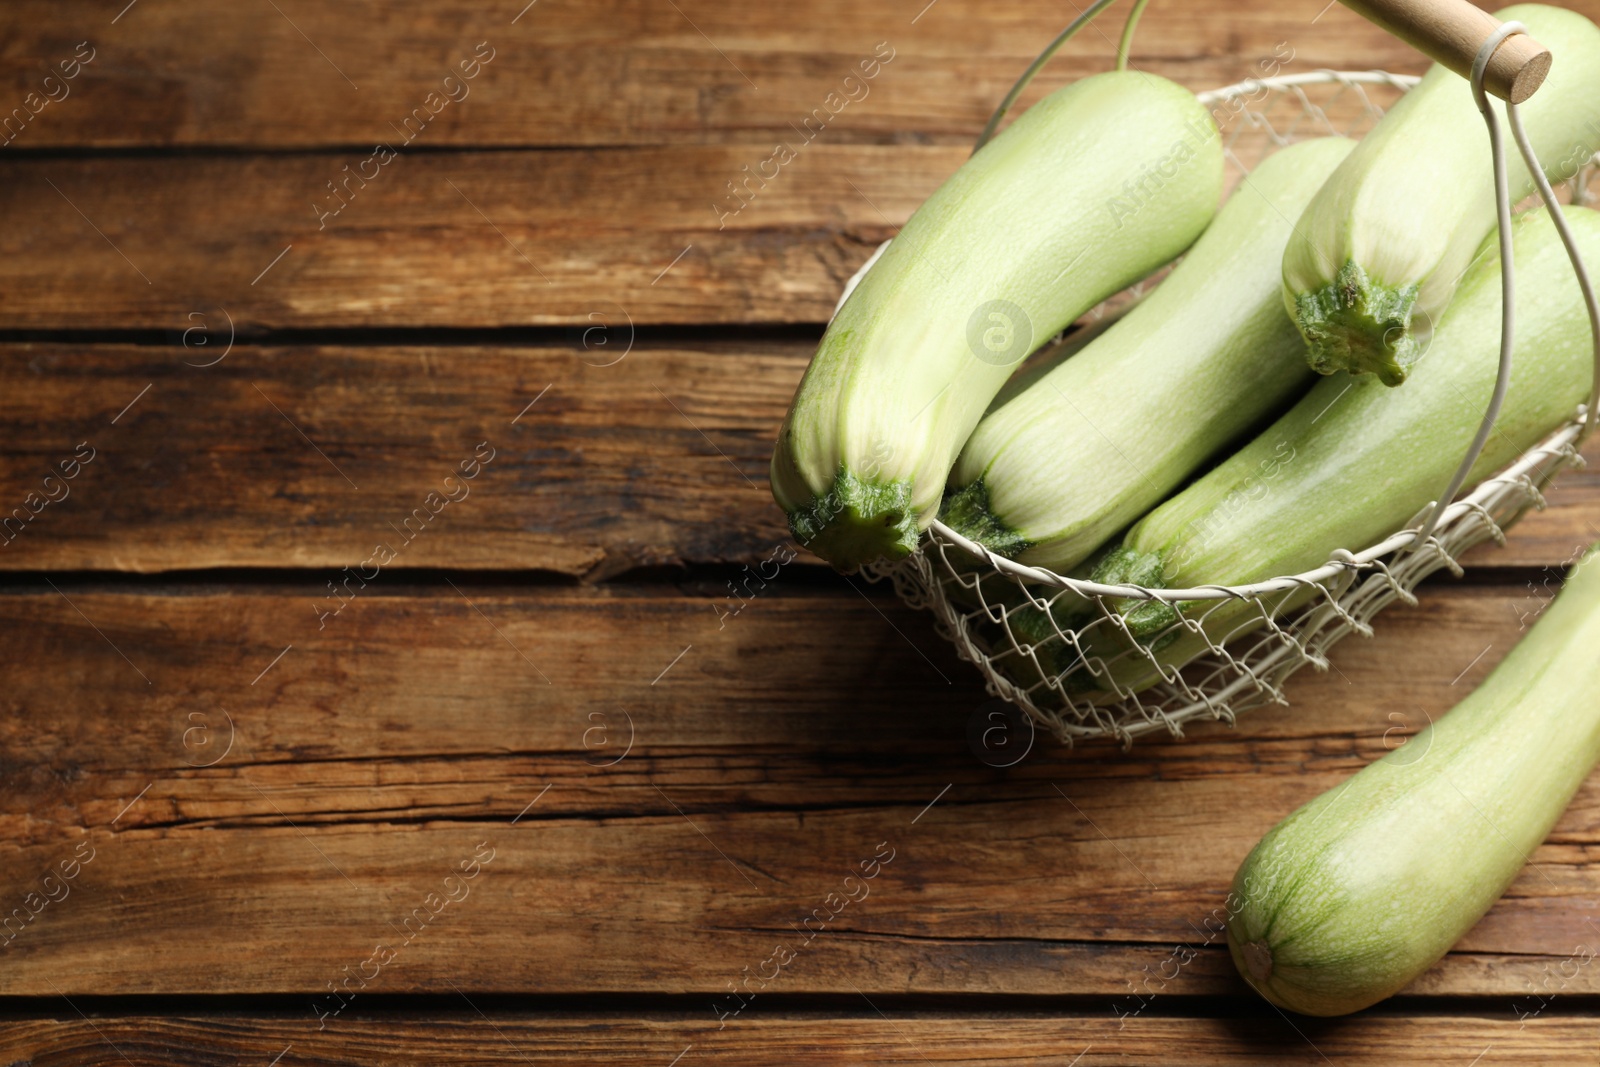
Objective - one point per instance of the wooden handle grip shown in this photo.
(1452, 31)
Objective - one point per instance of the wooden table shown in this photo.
(516, 785)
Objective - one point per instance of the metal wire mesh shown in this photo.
(1059, 648)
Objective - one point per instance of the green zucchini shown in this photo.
(1102, 438)
(1388, 237)
(1087, 192)
(1367, 886)
(1353, 461)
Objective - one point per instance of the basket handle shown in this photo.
(1478, 76)
(1452, 32)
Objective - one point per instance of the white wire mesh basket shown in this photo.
(1032, 632)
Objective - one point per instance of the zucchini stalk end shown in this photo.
(857, 522)
(1145, 619)
(1358, 325)
(967, 511)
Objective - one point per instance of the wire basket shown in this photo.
(1031, 632)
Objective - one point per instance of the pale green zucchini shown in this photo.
(1361, 890)
(1102, 438)
(1353, 461)
(1090, 190)
(1387, 239)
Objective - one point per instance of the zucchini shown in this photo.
(1354, 461)
(1088, 191)
(1102, 438)
(1329, 915)
(1388, 237)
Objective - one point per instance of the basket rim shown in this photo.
(1525, 468)
(1321, 76)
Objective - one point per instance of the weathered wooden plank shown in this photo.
(312, 456)
(618, 72)
(565, 237)
(1003, 1038)
(371, 756)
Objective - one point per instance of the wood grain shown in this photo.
(459, 240)
(610, 73)
(1453, 31)
(310, 456)
(459, 1035)
(369, 758)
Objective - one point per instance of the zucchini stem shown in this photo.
(967, 512)
(1126, 566)
(858, 520)
(1358, 325)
